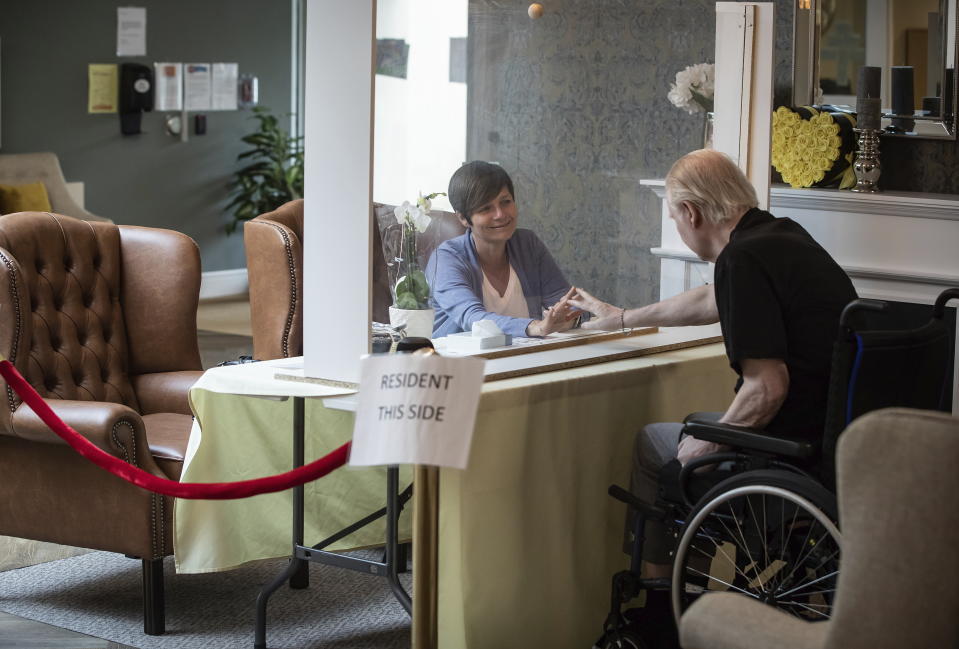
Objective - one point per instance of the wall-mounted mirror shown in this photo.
(834, 38)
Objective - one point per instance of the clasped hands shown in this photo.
(607, 317)
(562, 315)
(559, 317)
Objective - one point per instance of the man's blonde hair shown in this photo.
(713, 183)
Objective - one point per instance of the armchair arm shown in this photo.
(274, 261)
(733, 621)
(113, 427)
(165, 391)
(708, 429)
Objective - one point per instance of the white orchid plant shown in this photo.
(694, 88)
(410, 288)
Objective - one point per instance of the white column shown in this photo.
(337, 241)
(744, 88)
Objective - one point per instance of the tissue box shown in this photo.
(466, 342)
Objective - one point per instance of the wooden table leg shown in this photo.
(426, 480)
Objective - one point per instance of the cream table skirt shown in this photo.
(517, 550)
(528, 537)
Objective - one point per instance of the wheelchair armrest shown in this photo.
(747, 438)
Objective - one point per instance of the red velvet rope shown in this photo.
(139, 477)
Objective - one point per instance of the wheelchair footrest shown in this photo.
(650, 511)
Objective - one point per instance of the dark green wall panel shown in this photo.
(151, 179)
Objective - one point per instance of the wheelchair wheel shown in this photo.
(624, 639)
(767, 534)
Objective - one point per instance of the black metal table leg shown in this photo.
(297, 572)
(300, 578)
(392, 544)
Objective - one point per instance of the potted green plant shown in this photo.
(408, 284)
(274, 174)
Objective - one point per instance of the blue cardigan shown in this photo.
(456, 281)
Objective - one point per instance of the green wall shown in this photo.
(150, 179)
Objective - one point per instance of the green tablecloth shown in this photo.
(241, 437)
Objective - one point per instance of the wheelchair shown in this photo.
(762, 519)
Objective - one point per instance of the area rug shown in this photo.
(99, 594)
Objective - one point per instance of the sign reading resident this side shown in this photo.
(416, 409)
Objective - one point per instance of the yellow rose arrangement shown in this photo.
(813, 147)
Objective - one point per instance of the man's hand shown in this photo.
(690, 448)
(608, 317)
(697, 306)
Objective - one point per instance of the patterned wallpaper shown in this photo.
(574, 106)
(919, 165)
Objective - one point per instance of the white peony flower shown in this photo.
(694, 88)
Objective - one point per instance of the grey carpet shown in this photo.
(100, 594)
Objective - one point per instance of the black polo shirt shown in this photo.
(780, 296)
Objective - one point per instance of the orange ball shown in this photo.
(535, 10)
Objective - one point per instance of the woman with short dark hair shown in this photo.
(495, 271)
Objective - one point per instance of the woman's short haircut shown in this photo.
(712, 182)
(475, 184)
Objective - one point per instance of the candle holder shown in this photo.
(867, 167)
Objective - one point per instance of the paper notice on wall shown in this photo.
(224, 86)
(416, 410)
(168, 86)
(102, 88)
(131, 31)
(196, 86)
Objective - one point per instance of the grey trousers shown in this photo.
(653, 447)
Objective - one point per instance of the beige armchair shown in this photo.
(23, 168)
(899, 517)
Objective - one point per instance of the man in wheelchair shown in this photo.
(740, 501)
(778, 296)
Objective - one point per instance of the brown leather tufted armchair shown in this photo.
(274, 261)
(101, 320)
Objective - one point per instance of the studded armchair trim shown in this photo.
(12, 302)
(292, 303)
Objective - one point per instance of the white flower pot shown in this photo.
(419, 322)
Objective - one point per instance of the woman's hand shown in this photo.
(558, 317)
(608, 317)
